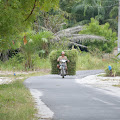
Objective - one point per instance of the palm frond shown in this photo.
(114, 12)
(113, 24)
(81, 23)
(78, 8)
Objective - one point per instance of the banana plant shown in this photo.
(33, 43)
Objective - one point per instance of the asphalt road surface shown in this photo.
(72, 101)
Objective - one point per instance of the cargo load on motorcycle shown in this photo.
(72, 56)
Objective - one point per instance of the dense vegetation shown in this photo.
(82, 10)
(16, 102)
(27, 30)
(101, 30)
(27, 27)
(17, 17)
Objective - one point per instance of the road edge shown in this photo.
(44, 113)
(91, 80)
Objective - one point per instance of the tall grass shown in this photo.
(15, 64)
(16, 102)
(115, 69)
(86, 61)
(41, 63)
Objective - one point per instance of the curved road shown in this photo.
(71, 101)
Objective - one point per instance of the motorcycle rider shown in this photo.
(63, 57)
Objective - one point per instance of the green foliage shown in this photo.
(37, 42)
(72, 55)
(114, 12)
(16, 103)
(40, 63)
(46, 6)
(115, 69)
(60, 45)
(113, 24)
(12, 21)
(115, 64)
(87, 61)
(83, 22)
(17, 16)
(113, 20)
(37, 45)
(17, 63)
(67, 5)
(54, 20)
(14, 63)
(81, 10)
(101, 30)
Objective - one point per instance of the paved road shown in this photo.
(71, 101)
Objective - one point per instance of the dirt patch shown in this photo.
(109, 85)
(5, 80)
(23, 72)
(7, 77)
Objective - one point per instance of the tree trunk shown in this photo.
(4, 55)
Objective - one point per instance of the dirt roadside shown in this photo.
(8, 76)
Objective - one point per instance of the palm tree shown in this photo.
(99, 9)
(113, 20)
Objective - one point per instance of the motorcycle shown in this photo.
(63, 68)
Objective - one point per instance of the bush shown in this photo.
(115, 70)
(35, 43)
(86, 61)
(14, 63)
(40, 63)
(72, 55)
(101, 30)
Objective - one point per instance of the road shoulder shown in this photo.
(106, 84)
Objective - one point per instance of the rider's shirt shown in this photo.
(62, 58)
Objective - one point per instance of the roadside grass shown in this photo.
(88, 62)
(102, 75)
(15, 65)
(42, 63)
(116, 85)
(16, 102)
(26, 74)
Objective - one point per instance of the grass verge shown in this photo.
(116, 85)
(88, 62)
(14, 65)
(16, 102)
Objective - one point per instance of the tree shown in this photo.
(82, 10)
(17, 16)
(54, 20)
(113, 20)
(35, 43)
(101, 30)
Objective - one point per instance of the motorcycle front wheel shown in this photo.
(62, 72)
